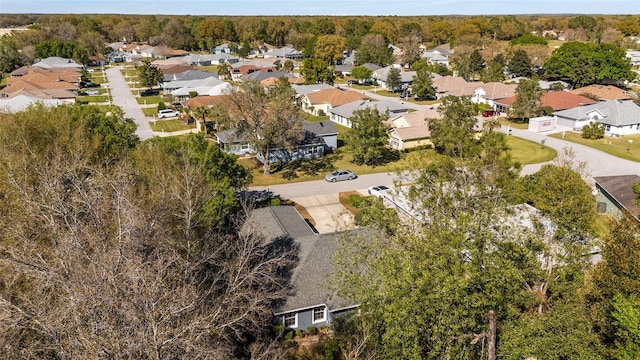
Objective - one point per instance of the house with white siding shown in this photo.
(619, 117)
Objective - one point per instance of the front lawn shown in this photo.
(170, 125)
(154, 99)
(616, 146)
(92, 99)
(529, 152)
(516, 125)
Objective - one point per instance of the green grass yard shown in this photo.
(616, 146)
(170, 125)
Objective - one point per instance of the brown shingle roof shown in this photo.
(620, 188)
(200, 101)
(335, 97)
(603, 92)
(558, 100)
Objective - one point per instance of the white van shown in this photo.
(167, 113)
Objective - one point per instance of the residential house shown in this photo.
(182, 90)
(603, 92)
(208, 59)
(557, 100)
(325, 130)
(320, 102)
(489, 93)
(43, 83)
(285, 52)
(56, 62)
(438, 55)
(615, 194)
(343, 70)
(189, 75)
(619, 117)
(634, 58)
(410, 130)
(452, 86)
(222, 49)
(312, 301)
(263, 75)
(204, 101)
(22, 102)
(161, 52)
(381, 76)
(173, 68)
(343, 113)
(307, 89)
(312, 143)
(239, 72)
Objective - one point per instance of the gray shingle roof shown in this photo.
(279, 221)
(308, 89)
(320, 128)
(347, 110)
(190, 75)
(311, 278)
(616, 112)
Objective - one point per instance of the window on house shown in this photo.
(607, 128)
(319, 314)
(290, 320)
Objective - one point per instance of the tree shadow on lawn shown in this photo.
(309, 167)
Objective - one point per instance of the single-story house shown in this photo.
(434, 57)
(603, 92)
(453, 86)
(181, 89)
(222, 49)
(325, 130)
(189, 75)
(312, 144)
(615, 194)
(410, 130)
(557, 100)
(489, 93)
(341, 114)
(22, 102)
(285, 52)
(56, 62)
(381, 76)
(619, 117)
(321, 101)
(312, 301)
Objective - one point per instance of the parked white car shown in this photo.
(167, 113)
(378, 191)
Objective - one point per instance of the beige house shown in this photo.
(322, 101)
(411, 129)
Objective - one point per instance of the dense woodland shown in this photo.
(115, 248)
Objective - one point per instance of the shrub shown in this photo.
(275, 201)
(593, 131)
(312, 330)
(288, 343)
(161, 106)
(299, 333)
(288, 335)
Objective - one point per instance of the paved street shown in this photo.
(123, 97)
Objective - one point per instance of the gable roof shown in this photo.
(383, 74)
(603, 92)
(320, 128)
(57, 62)
(204, 101)
(414, 125)
(173, 68)
(21, 102)
(263, 75)
(335, 97)
(620, 188)
(558, 100)
(347, 110)
(496, 90)
(615, 112)
(279, 221)
(453, 85)
(307, 89)
(189, 75)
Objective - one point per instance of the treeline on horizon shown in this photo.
(195, 33)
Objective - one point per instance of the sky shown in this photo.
(321, 7)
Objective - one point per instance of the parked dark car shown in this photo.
(489, 113)
(150, 92)
(425, 98)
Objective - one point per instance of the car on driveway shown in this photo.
(378, 190)
(167, 113)
(340, 175)
(489, 113)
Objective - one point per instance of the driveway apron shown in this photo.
(327, 212)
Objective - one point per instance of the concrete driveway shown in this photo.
(327, 212)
